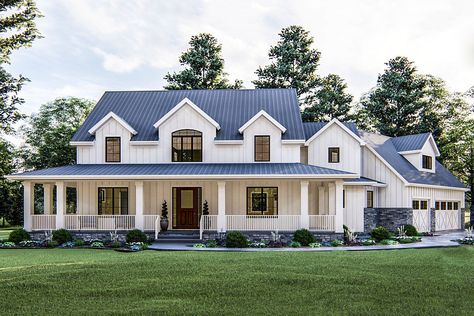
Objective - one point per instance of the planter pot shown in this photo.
(164, 224)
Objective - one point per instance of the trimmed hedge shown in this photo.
(62, 236)
(18, 235)
(236, 239)
(136, 235)
(410, 230)
(380, 233)
(304, 237)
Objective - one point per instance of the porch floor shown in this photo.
(439, 241)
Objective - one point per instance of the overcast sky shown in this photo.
(90, 46)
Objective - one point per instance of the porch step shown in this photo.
(179, 236)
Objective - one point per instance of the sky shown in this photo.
(92, 46)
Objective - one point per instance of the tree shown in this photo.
(328, 101)
(393, 107)
(18, 29)
(204, 67)
(48, 133)
(293, 62)
(10, 191)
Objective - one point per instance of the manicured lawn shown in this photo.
(76, 281)
(5, 232)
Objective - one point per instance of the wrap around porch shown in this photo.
(243, 205)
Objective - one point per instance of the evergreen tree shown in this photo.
(204, 67)
(293, 63)
(328, 101)
(393, 107)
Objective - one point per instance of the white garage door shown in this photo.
(421, 215)
(447, 215)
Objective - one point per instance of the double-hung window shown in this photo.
(112, 149)
(262, 148)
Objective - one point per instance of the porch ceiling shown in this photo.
(185, 171)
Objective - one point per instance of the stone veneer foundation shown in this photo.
(390, 218)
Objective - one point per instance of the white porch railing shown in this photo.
(99, 222)
(43, 222)
(322, 222)
(447, 219)
(262, 222)
(149, 221)
(207, 222)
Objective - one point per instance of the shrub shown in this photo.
(68, 244)
(380, 233)
(368, 242)
(410, 230)
(199, 245)
(295, 244)
(337, 243)
(258, 244)
(136, 235)
(79, 242)
(97, 244)
(389, 242)
(304, 237)
(62, 236)
(8, 244)
(51, 244)
(115, 244)
(314, 245)
(236, 239)
(27, 243)
(211, 244)
(18, 235)
(137, 246)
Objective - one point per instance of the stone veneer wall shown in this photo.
(88, 236)
(267, 235)
(390, 218)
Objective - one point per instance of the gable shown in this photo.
(107, 118)
(257, 117)
(320, 128)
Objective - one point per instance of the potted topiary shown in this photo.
(164, 216)
(205, 208)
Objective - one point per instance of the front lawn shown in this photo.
(85, 281)
(5, 232)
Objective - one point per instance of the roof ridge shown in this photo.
(226, 89)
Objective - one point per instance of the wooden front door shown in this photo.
(187, 208)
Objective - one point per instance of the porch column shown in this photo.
(339, 218)
(139, 203)
(221, 220)
(304, 219)
(27, 204)
(60, 204)
(47, 198)
(322, 201)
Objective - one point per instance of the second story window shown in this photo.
(262, 148)
(186, 146)
(112, 149)
(333, 154)
(427, 162)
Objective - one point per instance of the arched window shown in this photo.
(186, 146)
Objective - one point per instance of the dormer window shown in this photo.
(187, 146)
(262, 148)
(427, 162)
(112, 149)
(333, 154)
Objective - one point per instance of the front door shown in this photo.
(187, 208)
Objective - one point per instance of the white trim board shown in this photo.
(257, 116)
(121, 121)
(325, 127)
(178, 106)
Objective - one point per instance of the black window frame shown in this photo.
(263, 152)
(99, 211)
(338, 151)
(180, 156)
(266, 202)
(371, 199)
(427, 162)
(114, 153)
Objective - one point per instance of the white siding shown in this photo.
(395, 194)
(416, 159)
(335, 136)
(187, 118)
(433, 195)
(354, 210)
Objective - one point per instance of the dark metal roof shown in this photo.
(173, 169)
(410, 142)
(384, 146)
(230, 108)
(311, 128)
(363, 179)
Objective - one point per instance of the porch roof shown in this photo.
(184, 171)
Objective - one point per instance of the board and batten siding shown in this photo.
(349, 150)
(188, 118)
(435, 194)
(395, 193)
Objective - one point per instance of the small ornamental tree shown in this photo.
(164, 209)
(205, 208)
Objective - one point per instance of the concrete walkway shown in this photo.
(438, 241)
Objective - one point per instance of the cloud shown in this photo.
(116, 63)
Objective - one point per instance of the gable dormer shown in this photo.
(420, 150)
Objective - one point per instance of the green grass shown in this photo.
(81, 281)
(5, 232)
